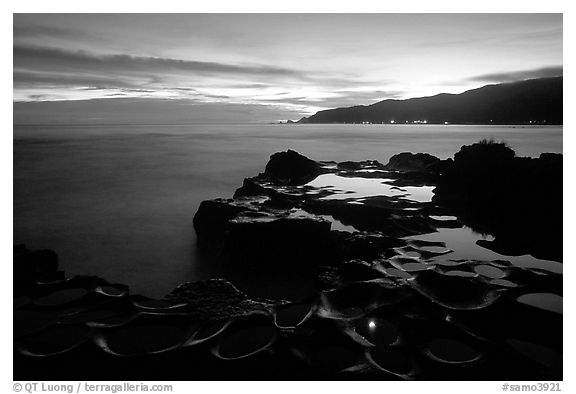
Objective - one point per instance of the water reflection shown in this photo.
(463, 242)
(377, 331)
(442, 218)
(357, 187)
(547, 301)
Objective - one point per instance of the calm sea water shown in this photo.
(118, 201)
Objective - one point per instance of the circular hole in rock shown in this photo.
(210, 329)
(500, 263)
(112, 321)
(50, 281)
(140, 339)
(354, 300)
(112, 291)
(335, 358)
(291, 315)
(154, 304)
(452, 351)
(351, 311)
(448, 263)
(462, 274)
(56, 339)
(503, 283)
(89, 316)
(547, 301)
(391, 359)
(538, 353)
(61, 297)
(453, 291)
(245, 341)
(414, 267)
(398, 273)
(26, 322)
(377, 331)
(436, 249)
(489, 271)
(21, 301)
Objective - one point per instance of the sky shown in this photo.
(142, 68)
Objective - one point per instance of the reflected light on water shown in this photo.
(357, 187)
(463, 243)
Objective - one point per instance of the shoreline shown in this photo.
(370, 296)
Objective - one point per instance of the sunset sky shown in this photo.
(263, 67)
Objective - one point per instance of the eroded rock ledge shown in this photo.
(383, 302)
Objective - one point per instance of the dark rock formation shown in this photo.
(216, 299)
(516, 199)
(277, 238)
(213, 216)
(418, 162)
(291, 168)
(31, 265)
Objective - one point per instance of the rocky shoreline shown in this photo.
(327, 282)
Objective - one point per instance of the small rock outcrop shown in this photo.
(291, 168)
(407, 162)
(216, 299)
(516, 199)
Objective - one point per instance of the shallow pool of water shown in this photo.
(463, 242)
(547, 301)
(357, 187)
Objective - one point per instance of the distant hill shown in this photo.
(532, 101)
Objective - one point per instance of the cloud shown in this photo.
(33, 31)
(25, 78)
(45, 73)
(50, 59)
(342, 98)
(527, 37)
(545, 72)
(42, 72)
(367, 97)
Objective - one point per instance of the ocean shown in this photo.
(117, 201)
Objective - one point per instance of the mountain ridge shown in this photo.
(532, 101)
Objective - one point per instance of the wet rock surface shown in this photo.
(416, 162)
(516, 199)
(384, 302)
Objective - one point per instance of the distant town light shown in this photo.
(392, 121)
